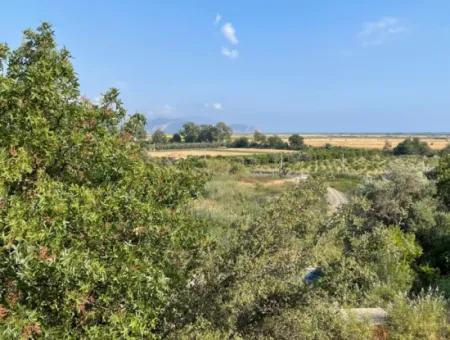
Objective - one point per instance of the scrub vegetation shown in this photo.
(100, 240)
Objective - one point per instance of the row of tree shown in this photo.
(193, 133)
(295, 142)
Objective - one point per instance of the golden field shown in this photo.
(211, 152)
(372, 142)
(361, 142)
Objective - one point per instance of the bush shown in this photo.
(412, 146)
(422, 318)
(296, 142)
(241, 142)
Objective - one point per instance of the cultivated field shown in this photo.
(363, 141)
(372, 142)
(177, 154)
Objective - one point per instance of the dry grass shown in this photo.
(211, 152)
(371, 142)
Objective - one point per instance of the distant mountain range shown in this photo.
(172, 125)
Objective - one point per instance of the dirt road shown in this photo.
(335, 199)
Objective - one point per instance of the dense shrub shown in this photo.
(241, 142)
(412, 146)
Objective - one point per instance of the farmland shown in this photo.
(213, 152)
(370, 141)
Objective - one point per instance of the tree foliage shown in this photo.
(412, 146)
(296, 142)
(92, 236)
(206, 133)
(159, 137)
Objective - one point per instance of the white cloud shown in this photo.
(216, 106)
(217, 19)
(230, 53)
(378, 32)
(230, 33)
(167, 109)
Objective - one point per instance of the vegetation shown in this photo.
(99, 241)
(296, 142)
(93, 239)
(193, 133)
(412, 146)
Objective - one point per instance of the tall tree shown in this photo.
(190, 132)
(90, 231)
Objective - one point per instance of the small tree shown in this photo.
(296, 142)
(259, 137)
(241, 142)
(276, 142)
(159, 137)
(176, 138)
(135, 126)
(223, 132)
(412, 146)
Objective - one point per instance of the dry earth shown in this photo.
(335, 199)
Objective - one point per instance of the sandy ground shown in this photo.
(211, 152)
(335, 199)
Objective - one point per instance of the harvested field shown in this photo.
(177, 154)
(371, 142)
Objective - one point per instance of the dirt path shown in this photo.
(335, 199)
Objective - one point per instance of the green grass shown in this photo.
(345, 184)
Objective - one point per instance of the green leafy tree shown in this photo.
(93, 238)
(176, 138)
(190, 132)
(259, 137)
(207, 134)
(412, 146)
(159, 137)
(240, 142)
(296, 142)
(276, 142)
(223, 132)
(443, 180)
(135, 126)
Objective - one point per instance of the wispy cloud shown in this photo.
(217, 19)
(216, 106)
(378, 32)
(230, 53)
(229, 33)
(167, 109)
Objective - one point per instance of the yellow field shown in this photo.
(362, 142)
(371, 142)
(177, 154)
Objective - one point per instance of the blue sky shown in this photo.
(305, 66)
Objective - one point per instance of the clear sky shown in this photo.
(305, 66)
